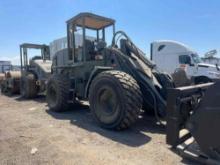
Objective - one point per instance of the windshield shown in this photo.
(196, 58)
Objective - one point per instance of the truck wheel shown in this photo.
(57, 93)
(202, 80)
(115, 99)
(28, 86)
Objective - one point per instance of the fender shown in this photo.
(94, 73)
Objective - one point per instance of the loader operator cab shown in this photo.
(93, 41)
(25, 61)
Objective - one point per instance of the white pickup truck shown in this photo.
(170, 56)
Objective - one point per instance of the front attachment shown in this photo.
(204, 124)
(193, 114)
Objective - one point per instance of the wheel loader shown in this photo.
(117, 80)
(35, 71)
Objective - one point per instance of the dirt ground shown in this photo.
(30, 134)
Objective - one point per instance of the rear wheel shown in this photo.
(202, 80)
(58, 93)
(28, 85)
(3, 87)
(115, 99)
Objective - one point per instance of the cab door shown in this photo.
(188, 65)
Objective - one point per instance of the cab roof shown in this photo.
(32, 46)
(92, 21)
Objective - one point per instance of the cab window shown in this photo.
(184, 59)
(196, 58)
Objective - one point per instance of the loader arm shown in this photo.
(132, 60)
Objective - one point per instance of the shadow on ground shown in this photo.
(41, 98)
(82, 117)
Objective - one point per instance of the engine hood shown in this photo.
(206, 65)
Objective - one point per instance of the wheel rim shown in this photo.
(52, 95)
(107, 106)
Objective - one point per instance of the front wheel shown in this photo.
(202, 80)
(57, 94)
(115, 99)
(28, 86)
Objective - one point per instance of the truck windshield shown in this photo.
(196, 58)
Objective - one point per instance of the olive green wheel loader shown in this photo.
(117, 80)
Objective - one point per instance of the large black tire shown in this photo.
(202, 80)
(115, 99)
(57, 93)
(16, 86)
(3, 87)
(166, 82)
(28, 86)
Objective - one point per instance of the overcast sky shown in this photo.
(195, 23)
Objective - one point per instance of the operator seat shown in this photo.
(31, 61)
(89, 50)
(100, 45)
(37, 58)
